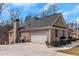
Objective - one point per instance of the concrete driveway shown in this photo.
(28, 49)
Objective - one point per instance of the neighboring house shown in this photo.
(73, 30)
(39, 30)
(4, 35)
(76, 33)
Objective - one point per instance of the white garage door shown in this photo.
(38, 37)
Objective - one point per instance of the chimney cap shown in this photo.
(17, 20)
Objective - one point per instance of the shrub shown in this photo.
(70, 38)
(73, 39)
(23, 40)
(77, 38)
(62, 37)
(17, 40)
(52, 43)
(56, 43)
(47, 43)
(27, 40)
(68, 41)
(62, 40)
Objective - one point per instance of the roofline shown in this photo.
(60, 28)
(60, 14)
(56, 19)
(38, 28)
(45, 28)
(10, 30)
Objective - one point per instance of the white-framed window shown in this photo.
(56, 33)
(63, 33)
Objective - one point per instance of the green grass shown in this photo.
(72, 51)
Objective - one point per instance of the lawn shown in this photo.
(72, 51)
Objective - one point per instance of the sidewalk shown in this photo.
(68, 46)
(33, 49)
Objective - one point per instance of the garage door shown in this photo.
(38, 37)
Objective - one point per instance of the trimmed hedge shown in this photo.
(47, 43)
(62, 40)
(68, 41)
(56, 43)
(72, 39)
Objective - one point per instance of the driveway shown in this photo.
(29, 49)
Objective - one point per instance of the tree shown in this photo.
(27, 18)
(51, 9)
(44, 13)
(1, 8)
(72, 26)
(1, 5)
(14, 14)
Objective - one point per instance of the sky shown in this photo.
(70, 11)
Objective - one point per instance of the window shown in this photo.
(20, 34)
(56, 33)
(63, 32)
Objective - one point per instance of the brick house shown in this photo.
(75, 34)
(39, 30)
(4, 35)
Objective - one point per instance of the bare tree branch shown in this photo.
(52, 9)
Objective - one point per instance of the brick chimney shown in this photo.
(15, 30)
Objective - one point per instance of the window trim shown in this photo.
(56, 32)
(63, 33)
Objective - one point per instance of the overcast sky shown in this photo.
(70, 11)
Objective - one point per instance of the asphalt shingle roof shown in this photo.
(41, 22)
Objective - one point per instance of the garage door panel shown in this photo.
(38, 37)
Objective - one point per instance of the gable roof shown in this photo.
(42, 22)
(60, 23)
